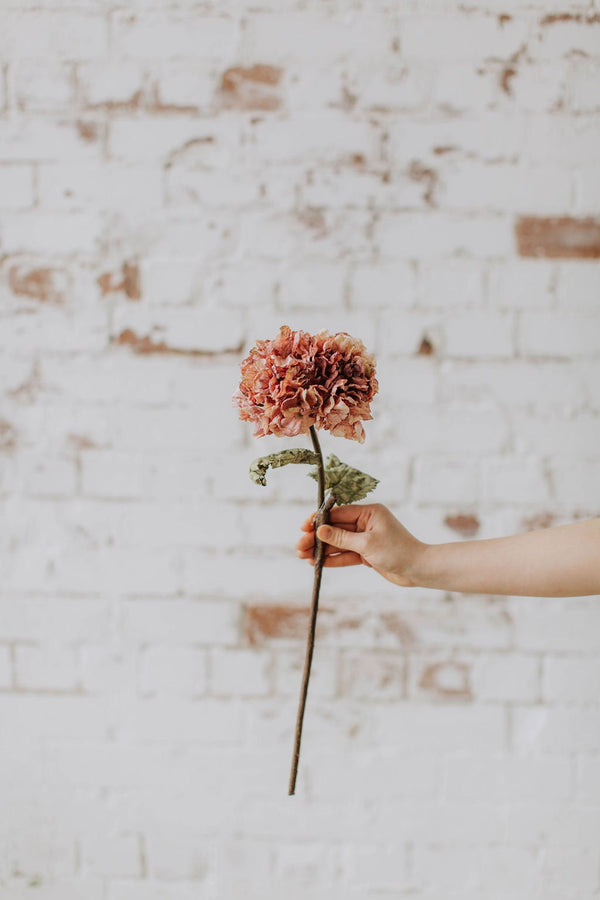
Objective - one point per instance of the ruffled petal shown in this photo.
(298, 380)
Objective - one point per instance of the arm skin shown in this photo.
(563, 561)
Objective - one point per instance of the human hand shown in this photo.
(369, 534)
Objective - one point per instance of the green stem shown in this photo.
(321, 517)
(320, 464)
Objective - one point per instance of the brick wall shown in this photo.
(178, 179)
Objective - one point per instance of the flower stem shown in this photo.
(320, 465)
(321, 517)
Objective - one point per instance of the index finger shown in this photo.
(309, 524)
(348, 514)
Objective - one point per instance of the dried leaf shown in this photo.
(346, 483)
(258, 468)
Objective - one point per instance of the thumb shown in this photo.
(339, 537)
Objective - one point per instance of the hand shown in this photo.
(367, 534)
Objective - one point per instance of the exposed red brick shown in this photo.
(88, 131)
(558, 238)
(429, 177)
(425, 347)
(509, 70)
(357, 159)
(105, 282)
(503, 18)
(506, 76)
(395, 623)
(186, 153)
(188, 146)
(540, 520)
(553, 18)
(135, 102)
(447, 680)
(142, 344)
(42, 284)
(439, 151)
(251, 87)
(467, 525)
(8, 436)
(128, 281)
(131, 280)
(145, 344)
(265, 621)
(260, 73)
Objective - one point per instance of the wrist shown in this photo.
(419, 569)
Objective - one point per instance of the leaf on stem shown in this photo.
(346, 483)
(258, 468)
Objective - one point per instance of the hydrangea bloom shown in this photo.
(298, 380)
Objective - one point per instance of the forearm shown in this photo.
(563, 561)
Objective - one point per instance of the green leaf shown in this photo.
(258, 468)
(346, 483)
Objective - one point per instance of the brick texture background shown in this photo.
(178, 179)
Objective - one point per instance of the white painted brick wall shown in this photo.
(160, 210)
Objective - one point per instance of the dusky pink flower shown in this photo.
(299, 379)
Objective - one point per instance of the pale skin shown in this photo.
(562, 561)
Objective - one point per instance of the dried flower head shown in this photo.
(298, 380)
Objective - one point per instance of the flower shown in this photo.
(298, 380)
